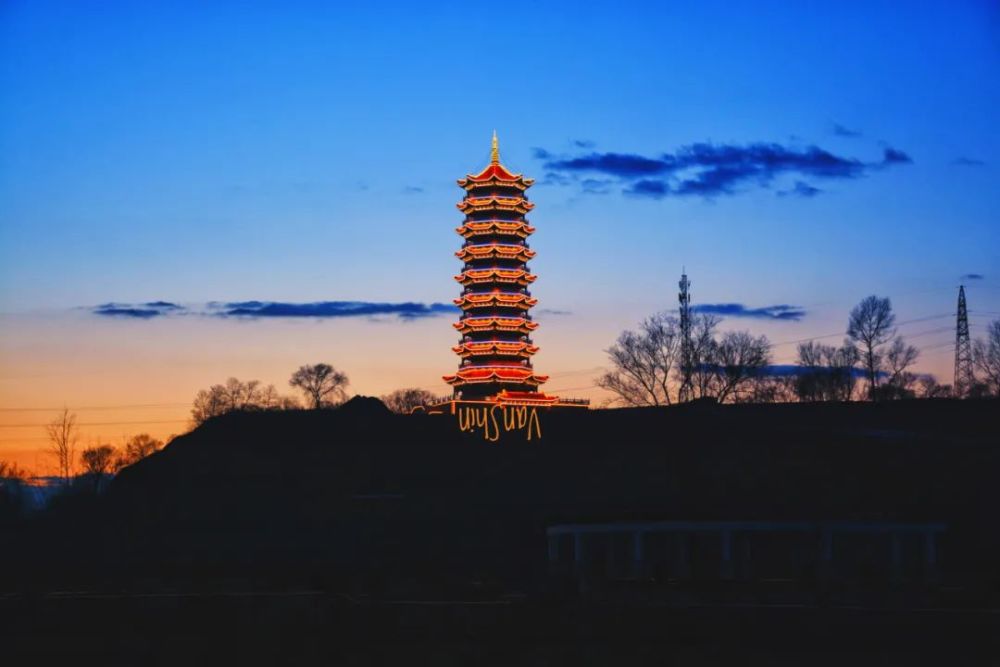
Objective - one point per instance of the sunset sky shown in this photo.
(794, 157)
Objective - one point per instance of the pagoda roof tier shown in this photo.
(495, 323)
(495, 347)
(481, 227)
(495, 373)
(495, 173)
(496, 250)
(494, 202)
(495, 299)
(495, 274)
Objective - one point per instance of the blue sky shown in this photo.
(169, 151)
(302, 152)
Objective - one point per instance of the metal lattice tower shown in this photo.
(964, 376)
(686, 392)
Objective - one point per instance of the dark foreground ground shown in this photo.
(355, 536)
(294, 628)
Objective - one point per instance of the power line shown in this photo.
(842, 333)
(167, 421)
(99, 407)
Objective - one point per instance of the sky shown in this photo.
(792, 157)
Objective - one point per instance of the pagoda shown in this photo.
(495, 326)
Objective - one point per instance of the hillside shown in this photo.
(363, 495)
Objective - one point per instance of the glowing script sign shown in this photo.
(499, 419)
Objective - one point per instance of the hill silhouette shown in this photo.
(363, 496)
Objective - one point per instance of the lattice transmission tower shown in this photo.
(964, 375)
(686, 392)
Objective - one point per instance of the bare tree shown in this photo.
(404, 401)
(739, 361)
(12, 488)
(703, 352)
(642, 362)
(811, 381)
(826, 373)
(870, 326)
(986, 357)
(237, 395)
(97, 462)
(137, 448)
(12, 471)
(928, 387)
(63, 435)
(270, 399)
(322, 384)
(898, 358)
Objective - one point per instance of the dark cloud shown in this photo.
(142, 311)
(841, 131)
(412, 190)
(963, 161)
(973, 276)
(709, 170)
(800, 189)
(893, 156)
(623, 165)
(583, 143)
(778, 312)
(328, 309)
(277, 309)
(649, 188)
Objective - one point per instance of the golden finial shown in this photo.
(495, 152)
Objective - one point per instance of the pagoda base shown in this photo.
(535, 399)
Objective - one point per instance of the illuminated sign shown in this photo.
(495, 420)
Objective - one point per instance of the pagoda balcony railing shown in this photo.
(574, 401)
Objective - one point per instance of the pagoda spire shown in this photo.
(495, 150)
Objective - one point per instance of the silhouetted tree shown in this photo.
(739, 361)
(642, 362)
(703, 350)
(63, 435)
(236, 395)
(322, 384)
(97, 462)
(404, 401)
(928, 387)
(12, 487)
(870, 326)
(270, 399)
(898, 358)
(826, 372)
(137, 448)
(986, 357)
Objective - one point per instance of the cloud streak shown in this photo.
(782, 312)
(141, 311)
(408, 310)
(841, 131)
(710, 170)
(332, 309)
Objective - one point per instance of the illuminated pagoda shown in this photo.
(495, 326)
